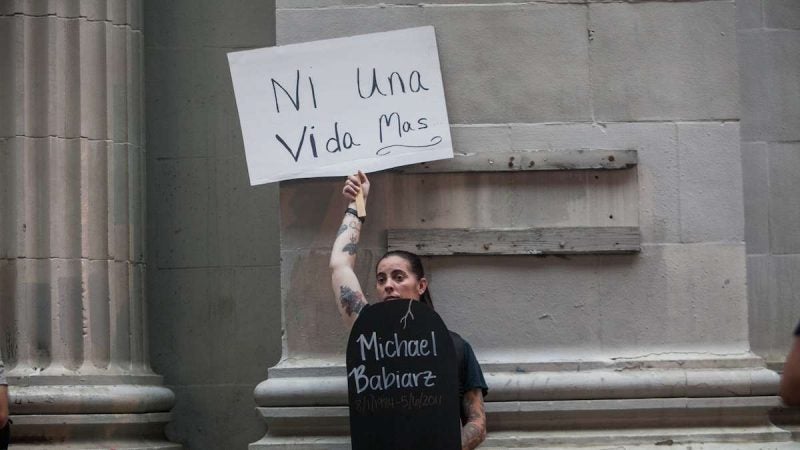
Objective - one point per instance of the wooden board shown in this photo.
(531, 241)
(531, 160)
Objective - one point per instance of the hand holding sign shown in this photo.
(356, 189)
(328, 108)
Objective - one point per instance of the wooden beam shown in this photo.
(530, 241)
(529, 160)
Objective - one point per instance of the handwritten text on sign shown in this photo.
(393, 348)
(329, 108)
(402, 379)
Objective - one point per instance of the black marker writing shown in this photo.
(383, 151)
(295, 99)
(296, 155)
(403, 126)
(337, 143)
(345, 140)
(394, 83)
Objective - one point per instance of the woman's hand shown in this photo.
(355, 184)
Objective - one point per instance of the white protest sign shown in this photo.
(331, 107)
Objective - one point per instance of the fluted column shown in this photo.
(72, 320)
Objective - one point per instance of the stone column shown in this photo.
(72, 322)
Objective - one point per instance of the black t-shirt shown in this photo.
(797, 330)
(470, 375)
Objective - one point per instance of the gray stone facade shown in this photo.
(594, 344)
(769, 39)
(131, 243)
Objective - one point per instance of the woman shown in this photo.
(399, 275)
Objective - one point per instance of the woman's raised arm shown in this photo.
(346, 288)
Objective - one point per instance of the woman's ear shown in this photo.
(422, 285)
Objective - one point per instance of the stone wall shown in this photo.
(612, 339)
(213, 265)
(769, 63)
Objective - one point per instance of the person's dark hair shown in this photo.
(415, 264)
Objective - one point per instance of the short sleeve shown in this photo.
(474, 376)
(3, 380)
(797, 330)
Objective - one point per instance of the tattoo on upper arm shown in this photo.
(352, 247)
(352, 301)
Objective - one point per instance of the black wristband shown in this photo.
(355, 213)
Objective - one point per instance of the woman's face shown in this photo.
(394, 280)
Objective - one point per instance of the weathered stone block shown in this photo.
(94, 162)
(770, 72)
(9, 92)
(766, 338)
(67, 120)
(178, 195)
(119, 200)
(710, 182)
(784, 191)
(528, 64)
(64, 196)
(655, 61)
(787, 290)
(94, 79)
(755, 176)
(611, 303)
(782, 14)
(749, 14)
(36, 74)
(215, 416)
(209, 317)
(192, 91)
(245, 218)
(137, 208)
(189, 23)
(135, 90)
(657, 171)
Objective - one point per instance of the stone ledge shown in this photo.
(327, 386)
(89, 431)
(89, 399)
(568, 423)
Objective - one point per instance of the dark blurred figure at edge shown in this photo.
(5, 428)
(790, 381)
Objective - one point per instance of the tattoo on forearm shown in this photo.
(474, 432)
(470, 436)
(342, 229)
(352, 301)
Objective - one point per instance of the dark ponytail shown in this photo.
(415, 264)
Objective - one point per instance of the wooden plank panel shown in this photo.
(531, 160)
(530, 241)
